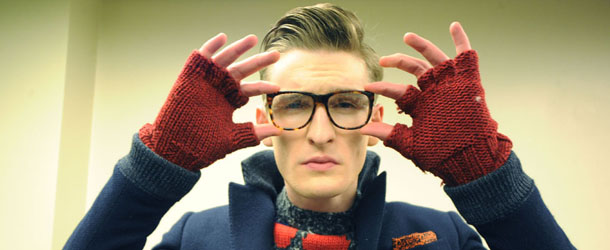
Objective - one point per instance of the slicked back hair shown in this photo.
(322, 27)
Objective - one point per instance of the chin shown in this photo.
(322, 188)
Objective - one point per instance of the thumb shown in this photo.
(378, 129)
(266, 130)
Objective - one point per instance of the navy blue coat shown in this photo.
(504, 206)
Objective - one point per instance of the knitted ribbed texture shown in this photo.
(155, 175)
(195, 125)
(453, 135)
(493, 196)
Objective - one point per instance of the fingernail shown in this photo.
(409, 33)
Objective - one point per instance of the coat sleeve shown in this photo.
(140, 191)
(507, 210)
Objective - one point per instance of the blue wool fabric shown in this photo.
(505, 207)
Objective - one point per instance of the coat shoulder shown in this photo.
(414, 213)
(213, 218)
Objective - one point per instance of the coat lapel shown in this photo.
(369, 213)
(252, 215)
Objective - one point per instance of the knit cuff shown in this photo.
(494, 195)
(401, 140)
(406, 103)
(155, 175)
(467, 60)
(243, 136)
(441, 73)
(475, 161)
(199, 66)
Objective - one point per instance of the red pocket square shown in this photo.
(413, 240)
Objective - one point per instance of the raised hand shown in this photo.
(452, 135)
(195, 126)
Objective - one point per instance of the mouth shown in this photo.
(320, 163)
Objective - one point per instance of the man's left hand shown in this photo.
(452, 135)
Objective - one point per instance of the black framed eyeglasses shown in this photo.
(347, 109)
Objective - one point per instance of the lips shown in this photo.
(320, 163)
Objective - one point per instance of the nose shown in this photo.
(320, 130)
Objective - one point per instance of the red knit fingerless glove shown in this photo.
(195, 125)
(453, 135)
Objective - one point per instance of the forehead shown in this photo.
(319, 71)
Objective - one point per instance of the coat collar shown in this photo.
(252, 206)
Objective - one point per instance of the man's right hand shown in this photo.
(195, 125)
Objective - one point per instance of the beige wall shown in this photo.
(33, 39)
(544, 67)
(76, 119)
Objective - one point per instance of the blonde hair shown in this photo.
(322, 26)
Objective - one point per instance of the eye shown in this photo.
(345, 105)
(292, 102)
(299, 104)
(348, 102)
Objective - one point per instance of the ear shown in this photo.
(261, 118)
(376, 116)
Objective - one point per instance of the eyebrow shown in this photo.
(334, 89)
(340, 89)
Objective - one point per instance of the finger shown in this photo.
(211, 46)
(253, 64)
(378, 129)
(407, 63)
(432, 53)
(258, 88)
(460, 39)
(265, 130)
(388, 89)
(229, 54)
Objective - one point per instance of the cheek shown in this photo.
(286, 142)
(355, 141)
(354, 147)
(285, 148)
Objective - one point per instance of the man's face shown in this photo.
(320, 161)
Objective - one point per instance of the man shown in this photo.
(319, 187)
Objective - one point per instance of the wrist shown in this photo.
(475, 161)
(154, 174)
(493, 196)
